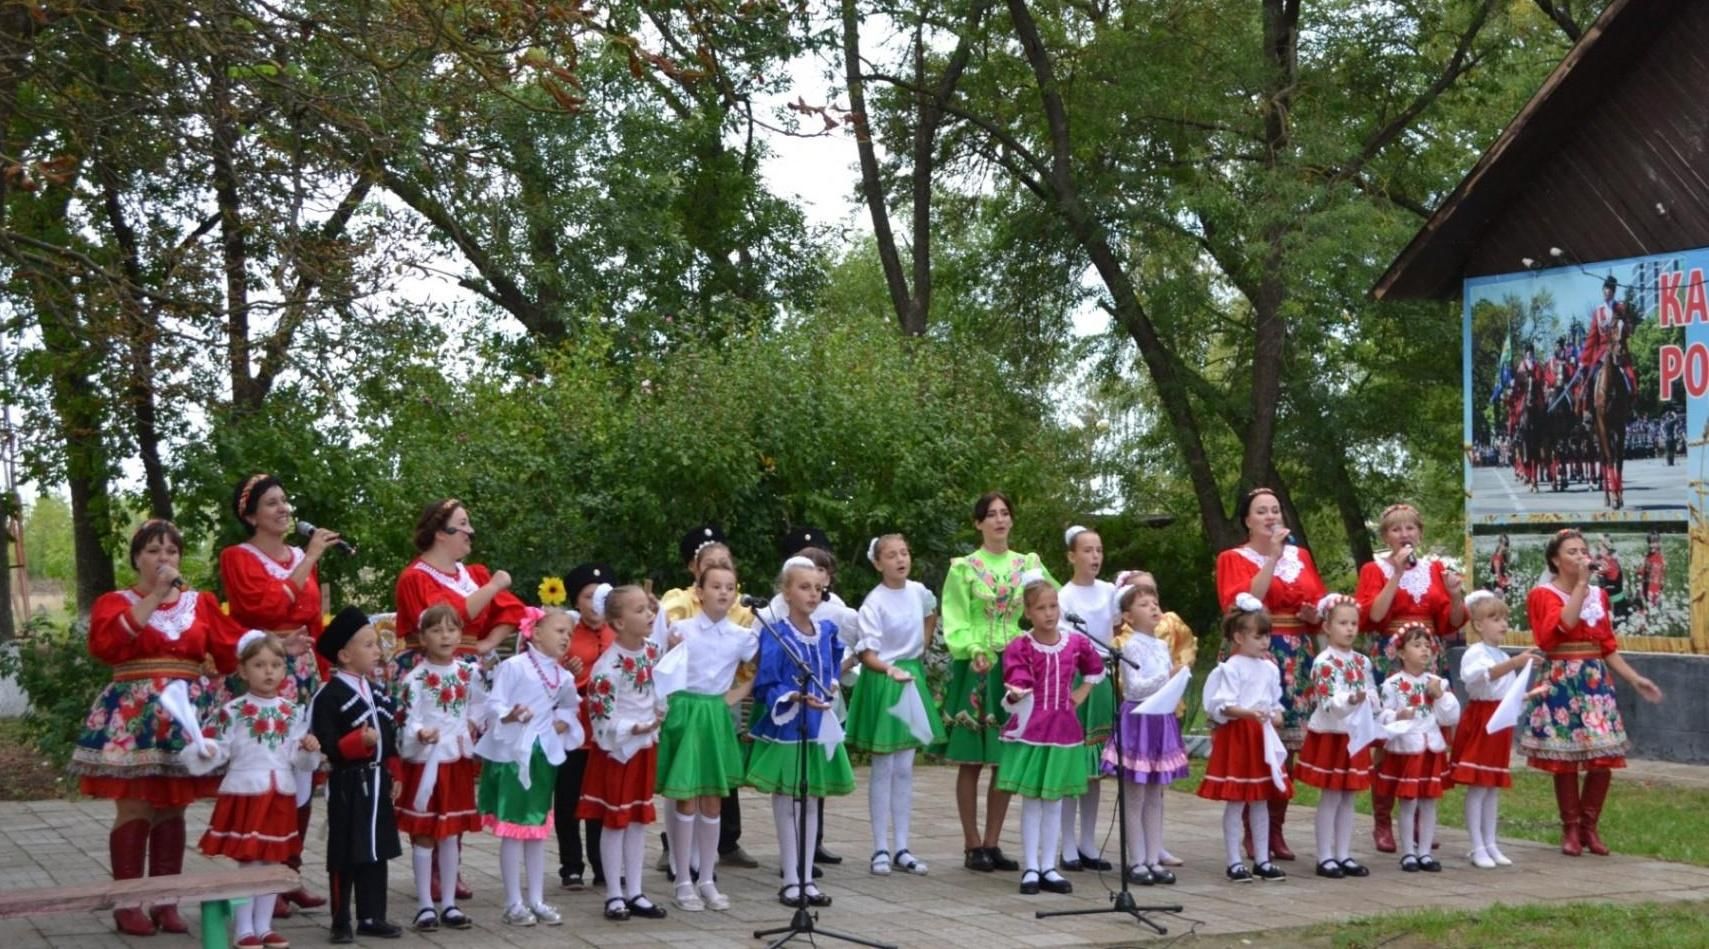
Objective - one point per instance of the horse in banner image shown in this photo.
(1613, 399)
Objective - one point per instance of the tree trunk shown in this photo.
(871, 184)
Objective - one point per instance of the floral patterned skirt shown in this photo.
(973, 713)
(302, 680)
(1576, 726)
(130, 744)
(1293, 652)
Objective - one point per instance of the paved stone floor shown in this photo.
(47, 843)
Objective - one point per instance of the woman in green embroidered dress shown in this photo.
(981, 613)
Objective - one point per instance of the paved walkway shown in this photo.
(47, 843)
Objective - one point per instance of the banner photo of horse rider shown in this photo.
(1584, 387)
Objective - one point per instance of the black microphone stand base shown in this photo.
(1123, 904)
(804, 923)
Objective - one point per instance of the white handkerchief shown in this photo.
(1506, 715)
(1362, 728)
(830, 734)
(631, 744)
(1164, 700)
(670, 674)
(1277, 754)
(911, 709)
(175, 698)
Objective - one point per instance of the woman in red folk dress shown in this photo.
(1393, 592)
(273, 586)
(1576, 725)
(1283, 577)
(156, 635)
(483, 601)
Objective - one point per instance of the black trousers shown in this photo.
(367, 881)
(565, 797)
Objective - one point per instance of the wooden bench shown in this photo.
(215, 891)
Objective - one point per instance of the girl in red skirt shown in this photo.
(1341, 688)
(1480, 759)
(621, 769)
(1243, 696)
(1416, 707)
(262, 740)
(436, 805)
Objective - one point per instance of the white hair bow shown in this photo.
(1247, 603)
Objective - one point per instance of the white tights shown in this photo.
(1335, 826)
(1086, 842)
(1482, 805)
(785, 816)
(890, 799)
(1041, 829)
(256, 917)
(1415, 839)
(423, 858)
(1143, 804)
(1258, 812)
(621, 852)
(516, 858)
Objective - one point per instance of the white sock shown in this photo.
(901, 796)
(1492, 804)
(682, 844)
(1050, 827)
(1258, 812)
(534, 858)
(1475, 819)
(450, 856)
(878, 794)
(611, 858)
(1089, 819)
(1328, 807)
(783, 816)
(1426, 824)
(1032, 811)
(422, 859)
(1344, 827)
(1408, 826)
(1233, 824)
(1133, 824)
(706, 843)
(261, 913)
(1152, 811)
(812, 835)
(1065, 828)
(510, 868)
(634, 855)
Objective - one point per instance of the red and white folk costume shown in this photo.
(1420, 597)
(1415, 764)
(258, 742)
(438, 796)
(421, 585)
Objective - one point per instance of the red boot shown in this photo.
(166, 858)
(1278, 814)
(1382, 822)
(301, 895)
(1595, 792)
(127, 848)
(1567, 800)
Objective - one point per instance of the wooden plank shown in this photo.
(185, 888)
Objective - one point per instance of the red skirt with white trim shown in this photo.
(1323, 762)
(619, 793)
(1423, 775)
(1481, 759)
(450, 808)
(1237, 770)
(253, 827)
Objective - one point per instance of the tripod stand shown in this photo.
(801, 922)
(1122, 901)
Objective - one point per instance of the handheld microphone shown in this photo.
(308, 530)
(1411, 557)
(1074, 619)
(177, 583)
(754, 602)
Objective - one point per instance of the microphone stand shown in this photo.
(1122, 901)
(802, 923)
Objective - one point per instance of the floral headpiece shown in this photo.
(248, 486)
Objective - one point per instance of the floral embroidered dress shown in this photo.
(1415, 763)
(438, 796)
(1421, 597)
(421, 585)
(130, 743)
(622, 767)
(1576, 726)
(1293, 584)
(1338, 676)
(981, 613)
(259, 744)
(259, 595)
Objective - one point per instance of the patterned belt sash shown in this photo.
(156, 669)
(1569, 651)
(1286, 624)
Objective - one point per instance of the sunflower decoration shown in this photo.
(552, 591)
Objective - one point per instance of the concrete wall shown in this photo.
(1676, 730)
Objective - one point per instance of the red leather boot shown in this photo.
(1278, 814)
(1382, 822)
(1567, 800)
(166, 858)
(1595, 792)
(127, 848)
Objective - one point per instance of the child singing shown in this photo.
(1480, 759)
(1094, 601)
(1341, 688)
(1243, 696)
(1415, 760)
(1151, 755)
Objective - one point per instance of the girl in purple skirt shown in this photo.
(1151, 754)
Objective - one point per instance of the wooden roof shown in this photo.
(1617, 129)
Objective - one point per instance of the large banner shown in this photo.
(1586, 401)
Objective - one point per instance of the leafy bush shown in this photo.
(53, 666)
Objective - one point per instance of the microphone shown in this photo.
(177, 583)
(308, 530)
(1411, 557)
(1074, 619)
(754, 602)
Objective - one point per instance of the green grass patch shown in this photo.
(1640, 926)
(1641, 818)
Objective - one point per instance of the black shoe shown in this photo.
(1000, 862)
(1072, 866)
(1269, 872)
(821, 855)
(737, 857)
(978, 860)
(1330, 869)
(1096, 863)
(1054, 882)
(1029, 883)
(342, 935)
(784, 896)
(574, 883)
(426, 921)
(1354, 868)
(1162, 875)
(1140, 875)
(379, 929)
(815, 897)
(454, 918)
(1237, 873)
(616, 910)
(644, 908)
(1410, 864)
(1428, 864)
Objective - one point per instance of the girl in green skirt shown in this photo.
(700, 761)
(895, 628)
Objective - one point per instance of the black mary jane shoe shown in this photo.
(816, 897)
(616, 910)
(1029, 883)
(978, 860)
(1269, 872)
(1410, 864)
(794, 901)
(1096, 863)
(1162, 875)
(645, 908)
(1330, 869)
(426, 921)
(1000, 862)
(454, 918)
(1054, 882)
(1428, 864)
(1072, 866)
(1238, 873)
(1140, 875)
(1354, 868)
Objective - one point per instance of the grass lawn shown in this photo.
(1639, 926)
(1641, 817)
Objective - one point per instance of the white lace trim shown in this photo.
(1415, 581)
(170, 621)
(462, 583)
(1288, 567)
(1595, 604)
(272, 566)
